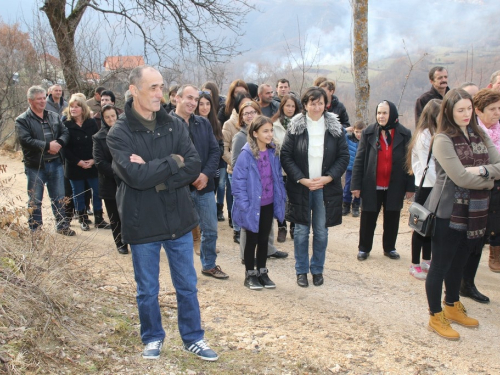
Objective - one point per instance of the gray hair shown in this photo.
(183, 87)
(135, 76)
(494, 77)
(34, 90)
(262, 87)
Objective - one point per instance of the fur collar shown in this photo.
(298, 124)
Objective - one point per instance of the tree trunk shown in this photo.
(360, 58)
(64, 29)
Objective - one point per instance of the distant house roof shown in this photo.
(92, 76)
(123, 62)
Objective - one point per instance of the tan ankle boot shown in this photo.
(196, 239)
(458, 314)
(494, 261)
(439, 324)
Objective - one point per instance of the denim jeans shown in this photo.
(146, 261)
(53, 177)
(224, 187)
(207, 211)
(78, 187)
(235, 227)
(320, 237)
(347, 198)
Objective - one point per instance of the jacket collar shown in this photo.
(396, 140)
(162, 118)
(298, 124)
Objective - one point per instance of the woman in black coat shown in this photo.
(314, 156)
(107, 183)
(79, 166)
(379, 176)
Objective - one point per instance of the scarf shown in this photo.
(391, 123)
(470, 207)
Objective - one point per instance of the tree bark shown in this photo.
(360, 58)
(64, 29)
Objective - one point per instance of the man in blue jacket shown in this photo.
(203, 188)
(155, 162)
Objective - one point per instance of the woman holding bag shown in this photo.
(467, 163)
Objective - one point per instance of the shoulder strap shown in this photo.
(427, 166)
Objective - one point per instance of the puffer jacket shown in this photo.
(154, 201)
(294, 159)
(337, 107)
(247, 189)
(229, 130)
(30, 134)
(352, 144)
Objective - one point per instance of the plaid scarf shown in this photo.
(470, 207)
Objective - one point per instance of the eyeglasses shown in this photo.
(204, 92)
(250, 113)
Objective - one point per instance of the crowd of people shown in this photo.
(166, 168)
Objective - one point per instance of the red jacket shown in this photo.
(384, 161)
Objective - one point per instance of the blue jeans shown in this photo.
(235, 227)
(320, 237)
(347, 198)
(53, 177)
(146, 261)
(224, 187)
(78, 187)
(207, 211)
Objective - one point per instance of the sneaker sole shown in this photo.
(444, 337)
(209, 359)
(270, 286)
(151, 357)
(215, 276)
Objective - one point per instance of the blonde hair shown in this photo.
(80, 101)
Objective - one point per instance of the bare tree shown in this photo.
(412, 66)
(360, 58)
(199, 27)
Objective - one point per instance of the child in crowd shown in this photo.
(352, 142)
(259, 195)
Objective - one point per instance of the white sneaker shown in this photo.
(425, 265)
(417, 272)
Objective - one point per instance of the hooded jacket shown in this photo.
(247, 188)
(364, 171)
(56, 107)
(294, 159)
(29, 131)
(154, 201)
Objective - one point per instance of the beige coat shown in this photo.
(447, 163)
(229, 130)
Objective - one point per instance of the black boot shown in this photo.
(99, 220)
(355, 209)
(236, 236)
(468, 289)
(82, 215)
(123, 249)
(346, 208)
(229, 219)
(220, 212)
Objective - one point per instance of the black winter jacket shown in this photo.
(79, 147)
(364, 171)
(202, 136)
(154, 201)
(339, 109)
(30, 134)
(294, 160)
(103, 160)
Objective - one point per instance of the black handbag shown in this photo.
(421, 220)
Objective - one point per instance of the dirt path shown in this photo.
(368, 318)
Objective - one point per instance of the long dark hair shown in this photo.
(212, 117)
(427, 121)
(214, 92)
(281, 113)
(446, 123)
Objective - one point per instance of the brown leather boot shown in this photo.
(196, 239)
(494, 261)
(439, 324)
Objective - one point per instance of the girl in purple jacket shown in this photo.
(259, 195)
